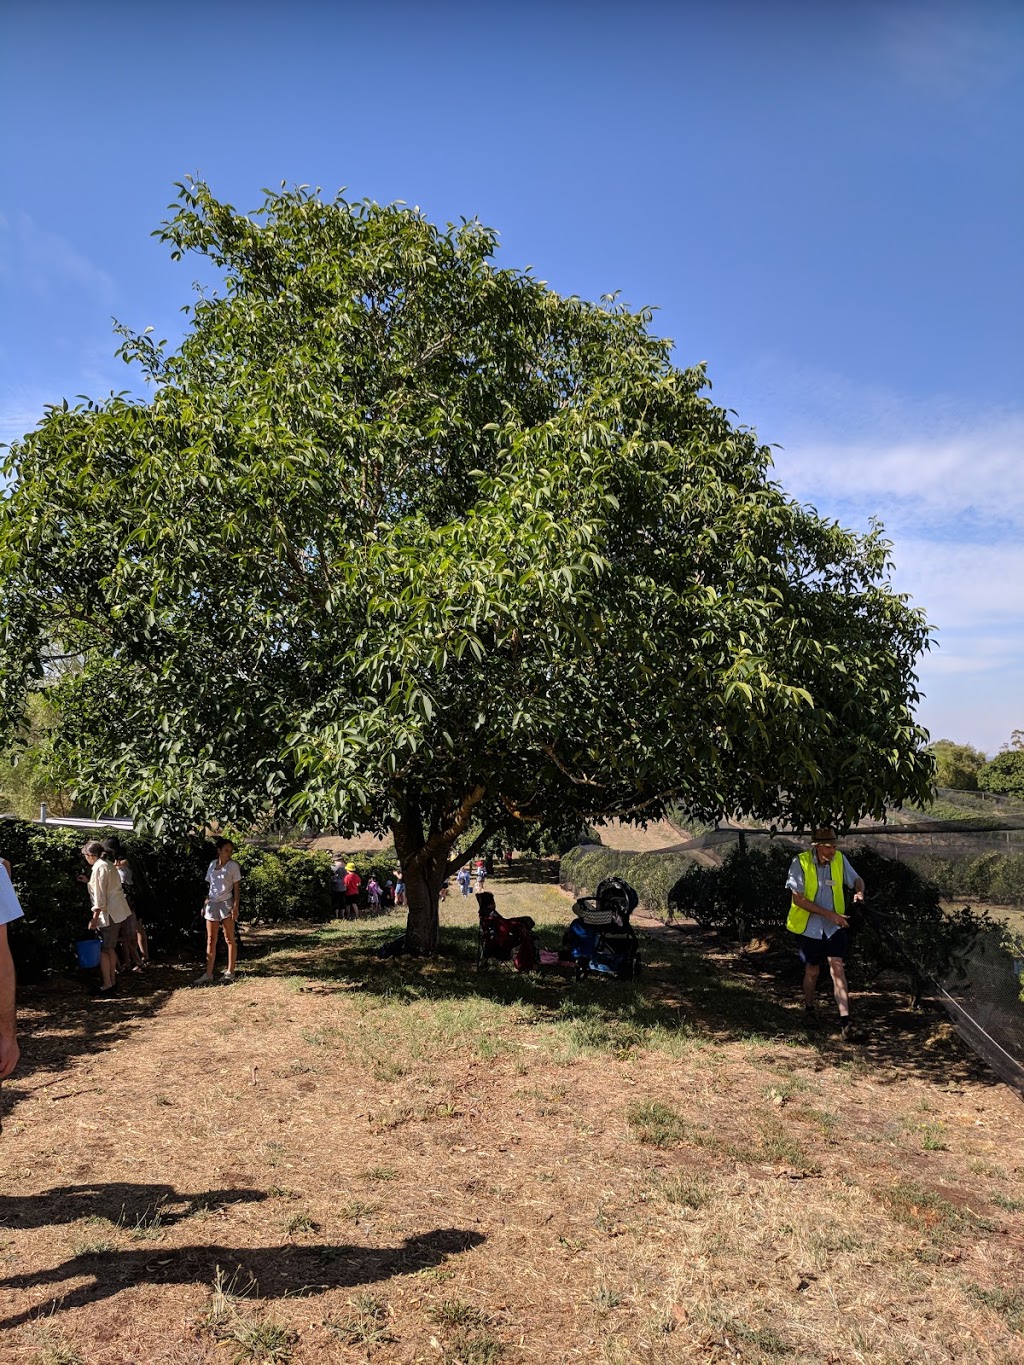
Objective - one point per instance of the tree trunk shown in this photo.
(422, 884)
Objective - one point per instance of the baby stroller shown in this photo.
(504, 940)
(601, 939)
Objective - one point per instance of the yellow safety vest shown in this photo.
(798, 917)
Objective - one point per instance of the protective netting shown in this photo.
(983, 992)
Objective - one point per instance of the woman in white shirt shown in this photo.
(224, 878)
(109, 908)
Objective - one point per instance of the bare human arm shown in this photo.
(8, 1026)
(829, 915)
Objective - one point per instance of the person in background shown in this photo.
(389, 893)
(353, 884)
(110, 909)
(399, 889)
(464, 878)
(480, 872)
(10, 910)
(817, 882)
(373, 895)
(338, 885)
(224, 878)
(131, 939)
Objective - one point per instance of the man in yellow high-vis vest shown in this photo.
(818, 881)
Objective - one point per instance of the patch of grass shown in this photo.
(100, 1247)
(780, 1146)
(1009, 1304)
(655, 1124)
(300, 1222)
(227, 1294)
(355, 1209)
(473, 1348)
(686, 1191)
(230, 1317)
(978, 1167)
(388, 1119)
(1001, 1201)
(162, 1100)
(365, 1323)
(456, 1312)
(925, 1211)
(262, 1343)
(55, 1347)
(606, 1298)
(380, 1174)
(149, 1226)
(933, 1137)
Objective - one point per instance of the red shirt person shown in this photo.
(353, 883)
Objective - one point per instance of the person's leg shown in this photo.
(228, 925)
(142, 938)
(839, 987)
(811, 970)
(108, 967)
(212, 931)
(130, 941)
(108, 956)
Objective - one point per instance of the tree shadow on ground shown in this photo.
(693, 984)
(59, 1021)
(269, 1272)
(120, 1202)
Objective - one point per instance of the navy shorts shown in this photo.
(815, 951)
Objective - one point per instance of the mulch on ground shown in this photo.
(341, 1159)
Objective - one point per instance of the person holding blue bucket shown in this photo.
(109, 909)
(10, 909)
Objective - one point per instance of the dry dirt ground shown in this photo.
(341, 1158)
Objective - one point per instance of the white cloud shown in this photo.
(44, 261)
(964, 586)
(949, 50)
(940, 477)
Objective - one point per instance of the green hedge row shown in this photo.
(994, 877)
(278, 885)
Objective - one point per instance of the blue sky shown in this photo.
(824, 202)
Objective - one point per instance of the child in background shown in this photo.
(373, 893)
(400, 890)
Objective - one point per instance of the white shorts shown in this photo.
(218, 910)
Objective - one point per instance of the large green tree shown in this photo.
(957, 765)
(1005, 774)
(400, 540)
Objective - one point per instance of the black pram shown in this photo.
(601, 939)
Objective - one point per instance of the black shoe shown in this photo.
(849, 1033)
(811, 1016)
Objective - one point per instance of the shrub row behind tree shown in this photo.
(279, 885)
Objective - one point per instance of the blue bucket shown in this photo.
(88, 950)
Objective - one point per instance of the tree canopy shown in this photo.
(401, 540)
(957, 765)
(1005, 774)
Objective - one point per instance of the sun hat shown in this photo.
(350, 867)
(824, 835)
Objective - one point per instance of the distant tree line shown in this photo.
(965, 768)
